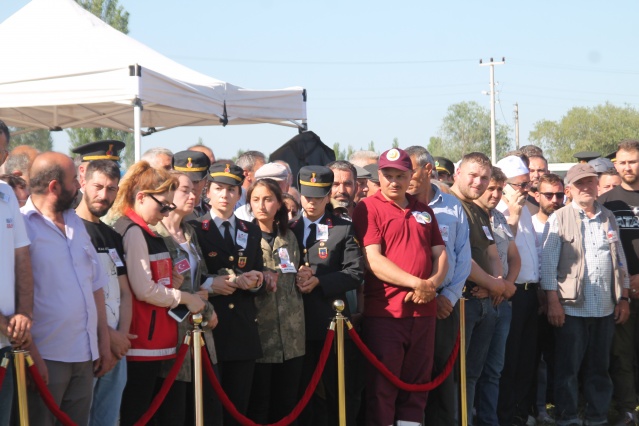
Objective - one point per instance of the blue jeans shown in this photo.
(583, 344)
(107, 396)
(487, 389)
(6, 392)
(480, 325)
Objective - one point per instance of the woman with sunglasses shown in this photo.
(144, 199)
(280, 309)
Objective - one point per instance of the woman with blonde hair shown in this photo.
(144, 198)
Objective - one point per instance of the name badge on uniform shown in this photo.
(443, 229)
(612, 236)
(487, 232)
(241, 239)
(285, 262)
(322, 232)
(113, 254)
(182, 264)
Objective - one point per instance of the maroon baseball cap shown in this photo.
(395, 158)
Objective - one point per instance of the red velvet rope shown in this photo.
(421, 387)
(48, 398)
(245, 421)
(168, 382)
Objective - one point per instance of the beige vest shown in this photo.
(570, 268)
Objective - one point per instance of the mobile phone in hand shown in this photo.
(179, 313)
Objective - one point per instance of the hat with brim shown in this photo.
(194, 164)
(315, 181)
(579, 171)
(362, 173)
(372, 169)
(275, 171)
(100, 150)
(601, 164)
(229, 174)
(395, 158)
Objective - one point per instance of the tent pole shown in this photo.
(137, 128)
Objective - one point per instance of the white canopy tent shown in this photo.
(63, 67)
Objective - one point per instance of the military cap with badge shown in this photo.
(315, 181)
(226, 173)
(194, 164)
(100, 150)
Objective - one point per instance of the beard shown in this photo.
(97, 211)
(65, 200)
(549, 209)
(629, 179)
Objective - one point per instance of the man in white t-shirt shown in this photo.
(16, 285)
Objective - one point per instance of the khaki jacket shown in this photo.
(570, 269)
(175, 250)
(280, 315)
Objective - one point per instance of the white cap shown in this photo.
(512, 166)
(275, 171)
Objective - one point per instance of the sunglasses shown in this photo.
(524, 185)
(164, 208)
(550, 195)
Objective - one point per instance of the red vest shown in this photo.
(156, 330)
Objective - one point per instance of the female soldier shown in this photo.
(232, 251)
(331, 266)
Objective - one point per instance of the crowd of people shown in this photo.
(103, 270)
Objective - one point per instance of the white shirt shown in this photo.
(307, 229)
(527, 243)
(13, 235)
(66, 272)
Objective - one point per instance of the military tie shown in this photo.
(228, 240)
(312, 236)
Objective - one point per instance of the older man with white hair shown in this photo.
(518, 375)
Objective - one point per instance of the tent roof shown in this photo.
(67, 68)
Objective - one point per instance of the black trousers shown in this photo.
(443, 401)
(323, 409)
(275, 390)
(517, 384)
(236, 378)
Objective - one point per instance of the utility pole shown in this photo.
(516, 125)
(493, 141)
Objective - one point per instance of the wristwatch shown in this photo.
(627, 299)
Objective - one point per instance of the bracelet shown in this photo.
(627, 299)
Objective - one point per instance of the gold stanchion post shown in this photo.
(338, 305)
(21, 385)
(462, 361)
(197, 369)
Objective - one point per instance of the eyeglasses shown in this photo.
(550, 195)
(520, 186)
(164, 208)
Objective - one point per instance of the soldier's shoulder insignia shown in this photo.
(206, 224)
(243, 226)
(329, 222)
(292, 224)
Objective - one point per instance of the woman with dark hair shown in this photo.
(280, 309)
(145, 197)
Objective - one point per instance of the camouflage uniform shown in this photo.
(280, 315)
(184, 374)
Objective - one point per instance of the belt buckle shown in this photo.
(526, 285)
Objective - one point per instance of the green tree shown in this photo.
(239, 152)
(466, 128)
(371, 146)
(395, 143)
(39, 139)
(598, 128)
(110, 12)
(339, 154)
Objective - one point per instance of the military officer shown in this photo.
(233, 253)
(331, 265)
(195, 165)
(100, 150)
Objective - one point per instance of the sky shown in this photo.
(375, 71)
